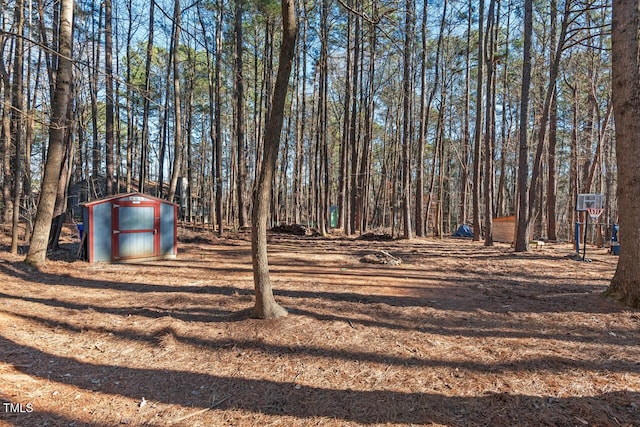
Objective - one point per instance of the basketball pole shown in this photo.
(584, 245)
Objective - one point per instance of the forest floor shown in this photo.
(458, 334)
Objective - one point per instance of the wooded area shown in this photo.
(353, 130)
(402, 115)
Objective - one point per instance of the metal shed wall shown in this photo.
(130, 227)
(168, 229)
(99, 233)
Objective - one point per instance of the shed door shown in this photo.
(136, 230)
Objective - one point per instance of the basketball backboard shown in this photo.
(586, 201)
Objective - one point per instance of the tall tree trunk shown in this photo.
(365, 165)
(17, 121)
(489, 134)
(343, 177)
(553, 137)
(241, 177)
(265, 304)
(625, 284)
(534, 188)
(522, 229)
(108, 68)
(218, 119)
(177, 131)
(478, 126)
(93, 88)
(189, 131)
(353, 127)
(60, 206)
(5, 134)
(262, 97)
(214, 118)
(505, 128)
(321, 120)
(129, 99)
(406, 114)
(422, 129)
(164, 134)
(464, 175)
(301, 123)
(573, 152)
(146, 104)
(38, 247)
(435, 85)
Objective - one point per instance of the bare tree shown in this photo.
(265, 305)
(38, 248)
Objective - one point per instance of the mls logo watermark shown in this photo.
(17, 408)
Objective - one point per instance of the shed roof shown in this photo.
(122, 196)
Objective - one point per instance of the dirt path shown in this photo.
(456, 335)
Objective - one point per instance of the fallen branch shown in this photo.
(202, 411)
(381, 257)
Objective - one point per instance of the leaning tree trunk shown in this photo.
(265, 305)
(38, 248)
(625, 284)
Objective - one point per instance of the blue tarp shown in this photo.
(463, 231)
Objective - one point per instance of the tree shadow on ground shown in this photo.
(305, 402)
(457, 294)
(476, 325)
(541, 364)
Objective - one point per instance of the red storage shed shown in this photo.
(131, 226)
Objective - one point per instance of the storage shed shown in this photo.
(504, 229)
(131, 226)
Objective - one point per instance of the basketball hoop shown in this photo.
(594, 213)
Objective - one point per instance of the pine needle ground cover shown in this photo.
(457, 334)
